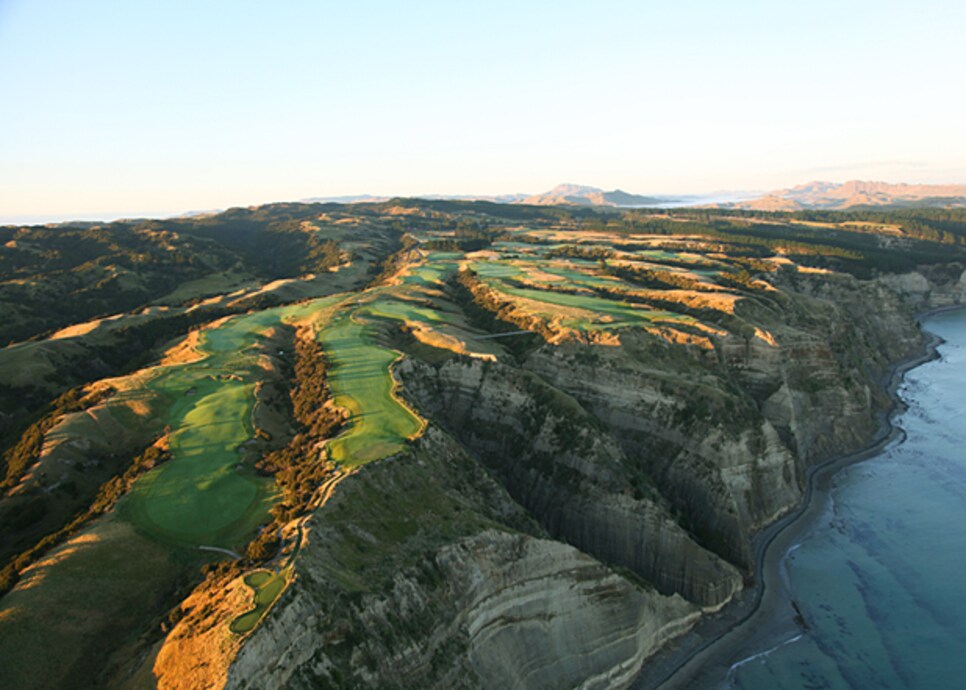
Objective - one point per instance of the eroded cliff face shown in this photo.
(454, 587)
(557, 461)
(706, 449)
(510, 610)
(568, 513)
(726, 439)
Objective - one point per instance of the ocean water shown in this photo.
(880, 577)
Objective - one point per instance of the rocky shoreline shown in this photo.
(764, 614)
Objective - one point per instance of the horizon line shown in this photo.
(41, 219)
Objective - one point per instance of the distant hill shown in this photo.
(813, 195)
(857, 194)
(372, 198)
(350, 199)
(582, 195)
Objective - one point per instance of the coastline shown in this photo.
(762, 616)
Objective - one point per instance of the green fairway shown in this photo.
(598, 305)
(267, 586)
(516, 247)
(495, 269)
(434, 271)
(200, 496)
(661, 255)
(404, 311)
(203, 495)
(577, 277)
(361, 382)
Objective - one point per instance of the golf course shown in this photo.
(362, 383)
(204, 495)
(266, 585)
(207, 496)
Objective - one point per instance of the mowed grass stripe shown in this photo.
(361, 382)
(597, 305)
(202, 496)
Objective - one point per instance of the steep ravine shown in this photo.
(563, 519)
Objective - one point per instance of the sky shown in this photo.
(124, 107)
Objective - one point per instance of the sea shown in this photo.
(879, 579)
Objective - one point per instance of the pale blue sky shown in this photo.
(126, 106)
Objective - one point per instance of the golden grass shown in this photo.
(483, 254)
(673, 335)
(402, 211)
(86, 596)
(764, 285)
(710, 330)
(813, 269)
(79, 329)
(719, 301)
(200, 648)
(444, 341)
(606, 338)
(785, 261)
(184, 352)
(765, 336)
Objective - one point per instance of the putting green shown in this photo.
(267, 586)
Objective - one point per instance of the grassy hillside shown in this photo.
(54, 276)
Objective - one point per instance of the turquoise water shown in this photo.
(881, 577)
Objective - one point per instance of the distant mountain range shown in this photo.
(857, 194)
(581, 195)
(572, 194)
(373, 198)
(813, 195)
